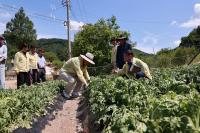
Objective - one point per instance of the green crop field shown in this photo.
(18, 108)
(169, 103)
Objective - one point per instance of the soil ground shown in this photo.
(62, 118)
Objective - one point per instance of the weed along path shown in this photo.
(61, 117)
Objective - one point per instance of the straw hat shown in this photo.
(88, 57)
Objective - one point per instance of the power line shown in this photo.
(74, 14)
(30, 15)
(84, 10)
(11, 8)
(79, 7)
(84, 15)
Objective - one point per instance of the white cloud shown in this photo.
(5, 17)
(75, 25)
(149, 43)
(174, 23)
(150, 40)
(177, 42)
(43, 36)
(147, 49)
(192, 23)
(195, 20)
(49, 36)
(197, 9)
(2, 27)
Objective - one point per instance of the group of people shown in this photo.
(124, 63)
(29, 65)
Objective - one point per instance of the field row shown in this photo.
(169, 103)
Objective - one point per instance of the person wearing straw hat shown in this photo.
(75, 73)
(3, 57)
(134, 66)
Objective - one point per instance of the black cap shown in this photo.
(122, 37)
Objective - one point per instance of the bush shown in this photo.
(58, 63)
(50, 56)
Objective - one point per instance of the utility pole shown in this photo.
(68, 30)
(67, 23)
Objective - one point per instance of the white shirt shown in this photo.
(41, 62)
(3, 52)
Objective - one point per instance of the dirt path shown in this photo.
(62, 118)
(11, 84)
(65, 121)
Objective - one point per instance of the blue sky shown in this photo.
(153, 24)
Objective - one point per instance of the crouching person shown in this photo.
(134, 66)
(75, 73)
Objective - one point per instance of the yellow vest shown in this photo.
(74, 66)
(21, 62)
(33, 60)
(139, 63)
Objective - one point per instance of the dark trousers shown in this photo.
(23, 78)
(140, 75)
(120, 65)
(34, 76)
(42, 75)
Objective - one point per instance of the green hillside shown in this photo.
(138, 52)
(59, 46)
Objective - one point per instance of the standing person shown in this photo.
(3, 57)
(41, 66)
(75, 73)
(33, 61)
(21, 66)
(134, 66)
(114, 52)
(121, 49)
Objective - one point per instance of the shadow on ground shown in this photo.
(86, 117)
(40, 122)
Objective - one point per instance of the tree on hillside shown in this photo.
(95, 38)
(183, 55)
(193, 39)
(54, 45)
(20, 30)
